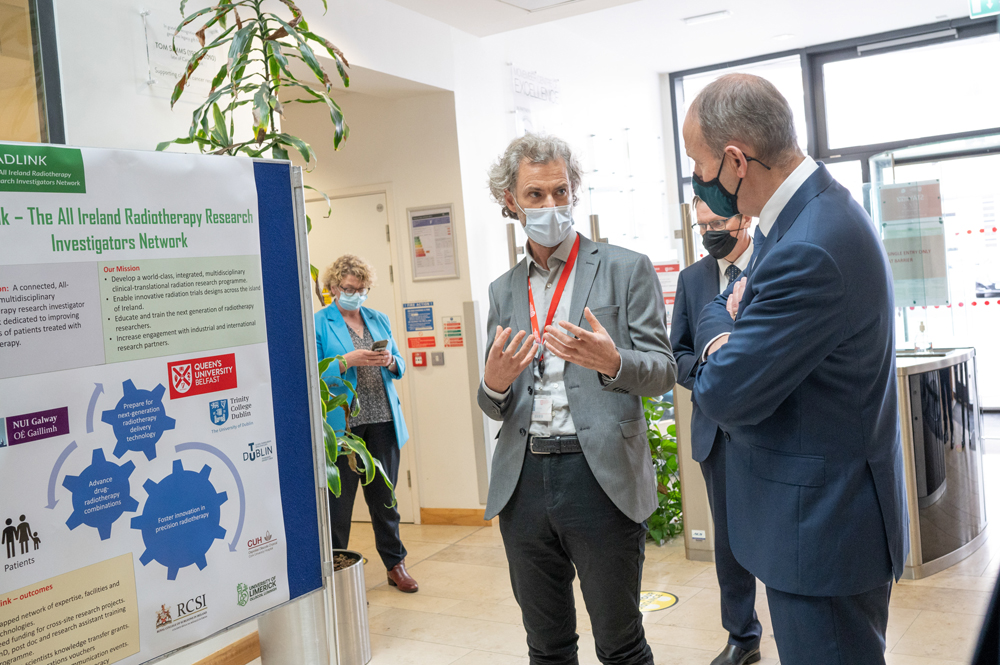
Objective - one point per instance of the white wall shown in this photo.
(411, 144)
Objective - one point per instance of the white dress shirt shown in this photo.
(543, 284)
(742, 262)
(769, 213)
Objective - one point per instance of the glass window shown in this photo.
(848, 174)
(784, 73)
(21, 101)
(913, 93)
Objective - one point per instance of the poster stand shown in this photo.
(285, 287)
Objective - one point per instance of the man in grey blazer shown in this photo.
(577, 336)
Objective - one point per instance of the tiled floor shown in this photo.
(465, 613)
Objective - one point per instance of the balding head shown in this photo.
(748, 109)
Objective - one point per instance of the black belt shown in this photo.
(549, 445)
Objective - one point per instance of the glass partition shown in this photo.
(22, 101)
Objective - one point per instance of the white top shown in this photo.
(742, 262)
(543, 284)
(784, 193)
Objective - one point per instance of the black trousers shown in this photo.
(381, 441)
(737, 585)
(830, 630)
(558, 518)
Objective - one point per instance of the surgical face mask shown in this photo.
(547, 226)
(351, 302)
(719, 244)
(715, 196)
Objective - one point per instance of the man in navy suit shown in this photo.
(729, 247)
(798, 368)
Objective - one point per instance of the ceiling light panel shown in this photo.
(705, 18)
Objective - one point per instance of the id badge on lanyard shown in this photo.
(553, 305)
(541, 408)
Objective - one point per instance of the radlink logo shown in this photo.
(23, 160)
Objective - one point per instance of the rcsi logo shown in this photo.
(187, 612)
(202, 375)
(163, 616)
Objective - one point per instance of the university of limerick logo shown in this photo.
(219, 411)
(181, 377)
(242, 594)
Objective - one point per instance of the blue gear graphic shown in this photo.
(134, 404)
(180, 520)
(101, 493)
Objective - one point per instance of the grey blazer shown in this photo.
(623, 292)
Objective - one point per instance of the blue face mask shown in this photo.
(715, 196)
(350, 302)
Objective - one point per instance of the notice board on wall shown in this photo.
(157, 479)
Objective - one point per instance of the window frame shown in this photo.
(41, 16)
(812, 59)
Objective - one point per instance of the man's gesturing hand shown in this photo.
(592, 350)
(503, 366)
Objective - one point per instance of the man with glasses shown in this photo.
(729, 247)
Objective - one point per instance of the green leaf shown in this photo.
(326, 362)
(307, 53)
(240, 42)
(189, 19)
(357, 445)
(219, 128)
(330, 439)
(221, 76)
(278, 152)
(261, 112)
(304, 149)
(329, 204)
(333, 480)
(385, 478)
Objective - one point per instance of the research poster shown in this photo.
(139, 493)
(432, 241)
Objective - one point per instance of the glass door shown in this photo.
(22, 100)
(968, 171)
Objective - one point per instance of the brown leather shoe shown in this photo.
(399, 578)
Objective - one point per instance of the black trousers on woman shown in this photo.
(381, 441)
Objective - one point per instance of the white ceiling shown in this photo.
(489, 17)
(652, 33)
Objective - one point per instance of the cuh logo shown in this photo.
(163, 616)
(19, 534)
(181, 377)
(191, 606)
(219, 411)
(242, 594)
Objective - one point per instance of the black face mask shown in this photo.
(719, 244)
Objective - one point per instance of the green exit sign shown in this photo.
(981, 8)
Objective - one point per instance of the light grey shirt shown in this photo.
(543, 285)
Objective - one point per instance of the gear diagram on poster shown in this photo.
(181, 519)
(139, 420)
(101, 493)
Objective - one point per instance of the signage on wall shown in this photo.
(912, 226)
(536, 101)
(452, 327)
(419, 317)
(167, 67)
(432, 243)
(668, 272)
(981, 8)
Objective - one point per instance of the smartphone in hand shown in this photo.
(380, 345)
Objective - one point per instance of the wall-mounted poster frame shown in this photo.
(433, 252)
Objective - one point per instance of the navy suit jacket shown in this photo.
(805, 391)
(697, 286)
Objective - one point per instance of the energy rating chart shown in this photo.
(138, 467)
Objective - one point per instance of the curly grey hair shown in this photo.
(748, 108)
(537, 149)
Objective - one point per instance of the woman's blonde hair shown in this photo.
(348, 264)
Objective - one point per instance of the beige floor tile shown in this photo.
(476, 609)
(462, 581)
(940, 635)
(672, 550)
(674, 655)
(685, 594)
(375, 610)
(693, 638)
(395, 651)
(480, 556)
(940, 600)
(707, 579)
(701, 610)
(486, 537)
(900, 620)
(419, 601)
(453, 631)
(656, 574)
(963, 582)
(897, 659)
(432, 533)
(488, 658)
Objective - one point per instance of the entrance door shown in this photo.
(359, 225)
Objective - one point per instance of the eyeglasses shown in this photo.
(717, 225)
(346, 290)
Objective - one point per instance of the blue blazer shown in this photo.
(697, 285)
(805, 392)
(334, 339)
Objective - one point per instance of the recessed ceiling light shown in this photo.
(783, 37)
(941, 17)
(705, 18)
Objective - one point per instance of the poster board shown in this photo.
(156, 405)
(432, 243)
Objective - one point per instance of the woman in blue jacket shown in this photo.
(345, 328)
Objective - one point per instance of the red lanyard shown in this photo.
(556, 297)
